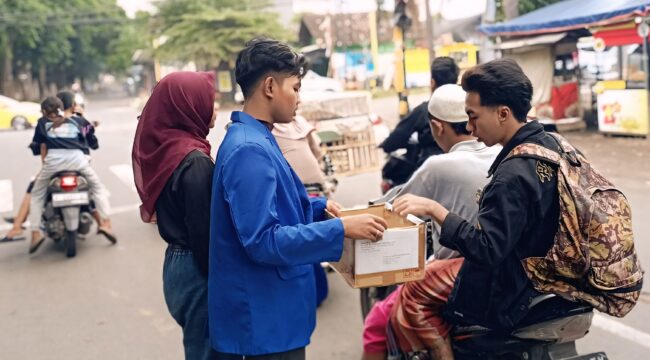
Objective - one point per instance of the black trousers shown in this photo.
(297, 354)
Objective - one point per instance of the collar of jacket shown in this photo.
(527, 131)
(244, 118)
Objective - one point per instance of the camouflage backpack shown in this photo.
(593, 257)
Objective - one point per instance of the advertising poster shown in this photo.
(623, 112)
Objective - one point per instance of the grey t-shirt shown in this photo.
(455, 180)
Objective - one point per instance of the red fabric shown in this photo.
(374, 327)
(174, 122)
(562, 97)
(619, 37)
(415, 317)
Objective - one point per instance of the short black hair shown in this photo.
(67, 98)
(501, 82)
(444, 71)
(460, 128)
(262, 56)
(51, 105)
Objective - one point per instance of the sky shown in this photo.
(132, 6)
(450, 9)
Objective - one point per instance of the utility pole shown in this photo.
(402, 24)
(429, 31)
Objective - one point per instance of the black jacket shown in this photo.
(416, 121)
(518, 218)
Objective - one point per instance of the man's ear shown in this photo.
(503, 113)
(268, 86)
(437, 127)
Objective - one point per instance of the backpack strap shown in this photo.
(536, 151)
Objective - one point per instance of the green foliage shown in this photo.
(60, 41)
(526, 6)
(210, 31)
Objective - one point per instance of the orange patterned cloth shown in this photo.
(416, 316)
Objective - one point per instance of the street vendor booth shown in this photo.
(606, 56)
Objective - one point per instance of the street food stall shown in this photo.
(349, 133)
(611, 60)
(621, 65)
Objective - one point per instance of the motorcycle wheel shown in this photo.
(71, 243)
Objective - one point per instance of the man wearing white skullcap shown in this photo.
(453, 179)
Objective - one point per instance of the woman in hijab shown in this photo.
(173, 169)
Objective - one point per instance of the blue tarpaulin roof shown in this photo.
(570, 14)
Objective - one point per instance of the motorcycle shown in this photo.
(67, 211)
(550, 336)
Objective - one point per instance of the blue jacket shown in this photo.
(263, 240)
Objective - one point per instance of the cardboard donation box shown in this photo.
(399, 257)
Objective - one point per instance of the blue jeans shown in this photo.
(186, 295)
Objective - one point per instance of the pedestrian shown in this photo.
(173, 170)
(265, 231)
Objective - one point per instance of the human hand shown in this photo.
(334, 208)
(364, 226)
(415, 205)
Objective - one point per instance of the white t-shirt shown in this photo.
(455, 180)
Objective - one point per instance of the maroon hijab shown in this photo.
(174, 122)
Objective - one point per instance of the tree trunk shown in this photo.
(6, 79)
(42, 80)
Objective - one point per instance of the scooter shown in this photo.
(67, 211)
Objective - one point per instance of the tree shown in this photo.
(57, 44)
(210, 31)
(526, 6)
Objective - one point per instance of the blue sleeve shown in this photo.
(318, 206)
(249, 180)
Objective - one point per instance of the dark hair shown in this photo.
(501, 82)
(67, 98)
(51, 105)
(263, 56)
(460, 128)
(444, 71)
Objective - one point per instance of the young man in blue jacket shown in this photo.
(265, 231)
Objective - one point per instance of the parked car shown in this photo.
(18, 115)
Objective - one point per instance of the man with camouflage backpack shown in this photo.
(509, 255)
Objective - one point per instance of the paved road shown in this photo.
(107, 302)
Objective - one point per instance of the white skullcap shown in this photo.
(447, 103)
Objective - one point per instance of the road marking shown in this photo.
(621, 330)
(124, 172)
(6, 196)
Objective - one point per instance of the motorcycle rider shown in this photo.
(70, 108)
(453, 178)
(518, 218)
(60, 140)
(443, 71)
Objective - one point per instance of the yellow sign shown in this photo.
(623, 112)
(224, 81)
(463, 53)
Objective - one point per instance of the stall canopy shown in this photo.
(569, 15)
